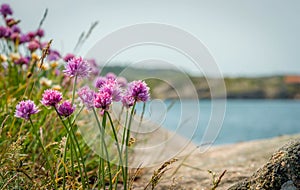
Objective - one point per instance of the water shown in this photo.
(244, 119)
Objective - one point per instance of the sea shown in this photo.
(225, 121)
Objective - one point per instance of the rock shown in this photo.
(282, 171)
(289, 185)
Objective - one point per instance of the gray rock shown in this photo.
(281, 172)
(289, 185)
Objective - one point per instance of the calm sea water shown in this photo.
(244, 119)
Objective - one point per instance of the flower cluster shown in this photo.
(51, 97)
(138, 90)
(66, 108)
(5, 10)
(29, 61)
(87, 96)
(77, 67)
(113, 89)
(32, 41)
(25, 109)
(103, 100)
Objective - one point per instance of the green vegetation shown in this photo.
(271, 87)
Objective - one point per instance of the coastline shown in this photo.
(240, 160)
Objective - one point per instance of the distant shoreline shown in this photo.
(259, 87)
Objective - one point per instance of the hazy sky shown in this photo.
(254, 37)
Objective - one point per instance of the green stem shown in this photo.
(72, 145)
(119, 150)
(74, 86)
(142, 116)
(123, 140)
(101, 161)
(124, 131)
(72, 159)
(104, 144)
(76, 116)
(106, 152)
(74, 139)
(127, 143)
(65, 152)
(45, 154)
(65, 160)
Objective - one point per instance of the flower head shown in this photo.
(111, 76)
(68, 57)
(31, 35)
(23, 60)
(87, 96)
(99, 82)
(53, 55)
(94, 67)
(66, 109)
(51, 97)
(5, 31)
(127, 100)
(40, 33)
(5, 10)
(24, 38)
(25, 109)
(33, 45)
(138, 90)
(14, 36)
(16, 29)
(122, 81)
(112, 87)
(77, 67)
(103, 100)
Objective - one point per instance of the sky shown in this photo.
(245, 37)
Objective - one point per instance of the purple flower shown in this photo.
(103, 100)
(25, 108)
(33, 45)
(138, 90)
(122, 81)
(16, 29)
(2, 31)
(127, 100)
(94, 67)
(24, 38)
(5, 32)
(112, 87)
(68, 57)
(51, 97)
(100, 81)
(111, 76)
(77, 67)
(66, 109)
(53, 55)
(40, 33)
(23, 60)
(31, 35)
(14, 36)
(5, 10)
(87, 96)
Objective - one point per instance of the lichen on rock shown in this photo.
(282, 171)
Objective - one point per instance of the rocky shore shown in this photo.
(243, 162)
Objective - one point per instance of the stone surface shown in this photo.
(282, 171)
